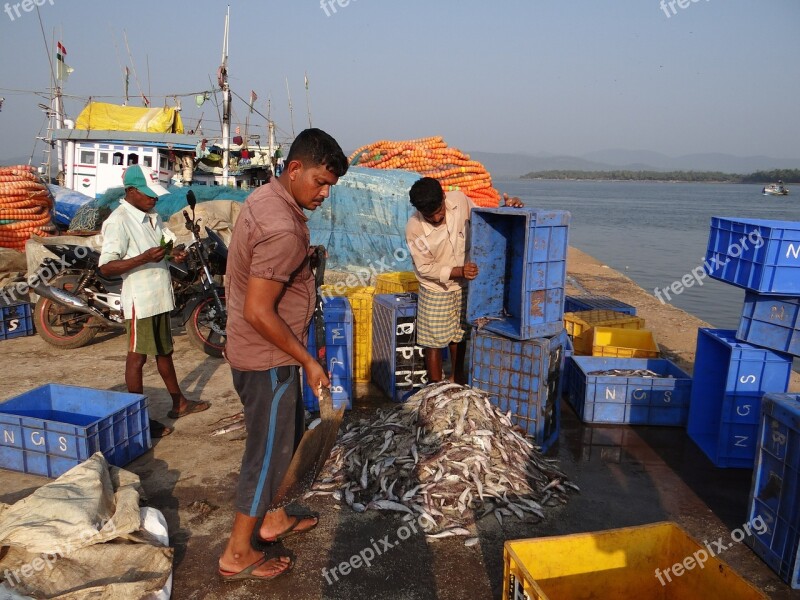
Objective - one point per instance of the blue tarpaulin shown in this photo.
(363, 221)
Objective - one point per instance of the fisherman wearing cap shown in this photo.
(132, 249)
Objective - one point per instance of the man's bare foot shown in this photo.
(232, 565)
(279, 525)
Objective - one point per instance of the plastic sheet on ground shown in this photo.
(82, 536)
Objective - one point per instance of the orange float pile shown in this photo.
(25, 205)
(430, 157)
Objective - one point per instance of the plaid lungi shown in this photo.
(441, 317)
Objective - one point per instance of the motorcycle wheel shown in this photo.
(206, 328)
(60, 326)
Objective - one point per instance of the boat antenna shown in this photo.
(222, 76)
(291, 112)
(308, 104)
(56, 102)
(133, 68)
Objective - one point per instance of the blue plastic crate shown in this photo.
(398, 363)
(775, 492)
(662, 400)
(757, 254)
(771, 322)
(16, 320)
(592, 302)
(338, 351)
(524, 377)
(48, 430)
(730, 377)
(521, 255)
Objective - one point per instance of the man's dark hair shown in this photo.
(426, 195)
(313, 147)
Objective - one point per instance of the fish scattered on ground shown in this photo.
(233, 426)
(446, 457)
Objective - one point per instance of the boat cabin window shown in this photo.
(104, 158)
(162, 163)
(117, 158)
(87, 157)
(147, 161)
(133, 159)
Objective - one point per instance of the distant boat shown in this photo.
(775, 189)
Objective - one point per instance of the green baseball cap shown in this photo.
(144, 180)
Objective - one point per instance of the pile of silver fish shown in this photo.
(447, 457)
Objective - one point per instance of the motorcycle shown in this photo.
(80, 301)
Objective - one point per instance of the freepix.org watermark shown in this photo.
(329, 6)
(15, 10)
(18, 292)
(712, 548)
(376, 548)
(698, 274)
(669, 5)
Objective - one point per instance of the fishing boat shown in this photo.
(95, 149)
(775, 189)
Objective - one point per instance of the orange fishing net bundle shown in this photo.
(430, 157)
(25, 205)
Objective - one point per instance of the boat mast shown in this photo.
(226, 103)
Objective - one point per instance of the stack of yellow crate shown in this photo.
(580, 326)
(397, 282)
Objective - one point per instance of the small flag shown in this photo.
(238, 130)
(62, 69)
(253, 99)
(146, 101)
(127, 79)
(306, 78)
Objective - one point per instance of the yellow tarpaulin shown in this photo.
(99, 115)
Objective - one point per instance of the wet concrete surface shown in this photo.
(628, 476)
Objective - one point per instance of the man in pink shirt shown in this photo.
(437, 239)
(270, 295)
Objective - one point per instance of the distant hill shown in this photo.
(516, 165)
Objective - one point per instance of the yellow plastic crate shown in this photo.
(624, 343)
(396, 283)
(620, 564)
(361, 302)
(579, 326)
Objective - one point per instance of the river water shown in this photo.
(656, 233)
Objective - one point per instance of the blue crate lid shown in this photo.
(394, 301)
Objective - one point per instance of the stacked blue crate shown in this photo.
(338, 318)
(398, 363)
(730, 377)
(763, 257)
(524, 377)
(16, 320)
(774, 509)
(521, 255)
(772, 322)
(516, 304)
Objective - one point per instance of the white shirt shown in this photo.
(436, 250)
(127, 233)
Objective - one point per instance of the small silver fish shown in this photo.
(228, 428)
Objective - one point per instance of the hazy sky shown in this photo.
(535, 76)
